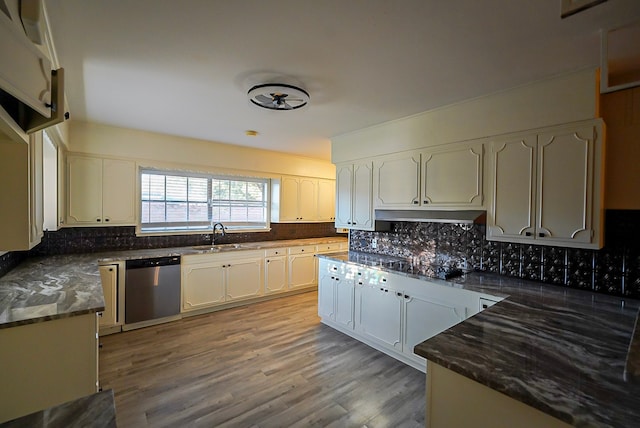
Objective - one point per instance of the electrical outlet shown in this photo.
(374, 243)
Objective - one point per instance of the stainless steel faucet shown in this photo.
(214, 229)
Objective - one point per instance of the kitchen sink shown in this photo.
(209, 248)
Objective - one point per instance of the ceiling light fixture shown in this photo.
(278, 96)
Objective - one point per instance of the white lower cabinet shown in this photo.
(336, 292)
(244, 279)
(302, 267)
(390, 312)
(380, 315)
(202, 285)
(275, 271)
(109, 279)
(425, 317)
(213, 279)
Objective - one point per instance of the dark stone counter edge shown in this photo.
(46, 318)
(96, 410)
(120, 256)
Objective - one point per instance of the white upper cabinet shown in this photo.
(22, 215)
(302, 199)
(354, 184)
(452, 176)
(27, 75)
(397, 180)
(100, 191)
(438, 178)
(326, 200)
(546, 187)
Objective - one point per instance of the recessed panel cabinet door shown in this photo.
(109, 279)
(453, 177)
(344, 182)
(344, 302)
(397, 181)
(425, 318)
(326, 297)
(118, 191)
(202, 285)
(85, 190)
(513, 170)
(308, 199)
(326, 200)
(380, 315)
(275, 269)
(244, 279)
(302, 270)
(565, 183)
(362, 207)
(289, 198)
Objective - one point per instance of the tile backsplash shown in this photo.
(94, 239)
(615, 269)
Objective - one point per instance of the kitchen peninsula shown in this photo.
(556, 355)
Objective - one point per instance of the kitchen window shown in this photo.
(183, 202)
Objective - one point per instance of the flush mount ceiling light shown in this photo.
(278, 96)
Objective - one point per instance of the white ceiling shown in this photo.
(184, 67)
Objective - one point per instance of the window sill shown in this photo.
(140, 232)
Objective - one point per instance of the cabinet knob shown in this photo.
(106, 219)
(98, 220)
(541, 234)
(354, 222)
(416, 202)
(528, 234)
(425, 202)
(398, 294)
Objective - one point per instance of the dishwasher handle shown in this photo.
(153, 262)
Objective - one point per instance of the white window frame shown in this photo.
(203, 227)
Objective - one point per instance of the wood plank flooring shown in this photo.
(271, 364)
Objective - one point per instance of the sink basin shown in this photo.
(209, 248)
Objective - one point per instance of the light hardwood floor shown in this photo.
(270, 364)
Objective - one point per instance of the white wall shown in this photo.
(550, 102)
(165, 151)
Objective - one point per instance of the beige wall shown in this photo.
(550, 102)
(621, 113)
(165, 151)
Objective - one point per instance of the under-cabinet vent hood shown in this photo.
(432, 216)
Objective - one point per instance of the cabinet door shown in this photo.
(397, 181)
(326, 296)
(27, 76)
(453, 177)
(202, 286)
(36, 184)
(109, 279)
(344, 302)
(118, 192)
(344, 183)
(84, 180)
(565, 185)
(513, 183)
(289, 191)
(308, 200)
(302, 270)
(424, 318)
(362, 200)
(244, 279)
(379, 317)
(275, 269)
(326, 200)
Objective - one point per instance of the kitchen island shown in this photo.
(561, 352)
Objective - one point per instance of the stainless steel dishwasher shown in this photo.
(152, 291)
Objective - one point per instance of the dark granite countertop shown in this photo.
(566, 352)
(47, 288)
(96, 410)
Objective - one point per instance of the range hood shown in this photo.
(431, 216)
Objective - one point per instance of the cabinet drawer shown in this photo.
(327, 248)
(274, 252)
(306, 249)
